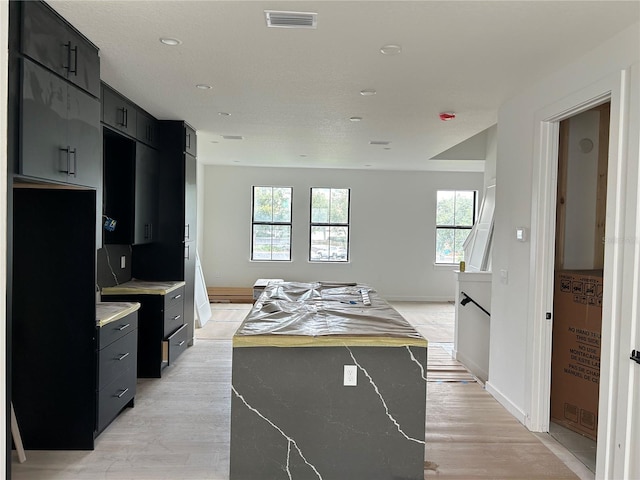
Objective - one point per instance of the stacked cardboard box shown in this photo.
(575, 368)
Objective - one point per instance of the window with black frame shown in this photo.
(271, 223)
(329, 229)
(455, 216)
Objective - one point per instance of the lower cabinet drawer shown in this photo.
(173, 319)
(115, 396)
(174, 345)
(114, 359)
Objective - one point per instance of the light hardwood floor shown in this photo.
(179, 428)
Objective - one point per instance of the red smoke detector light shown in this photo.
(446, 116)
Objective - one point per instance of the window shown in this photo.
(271, 226)
(455, 215)
(329, 232)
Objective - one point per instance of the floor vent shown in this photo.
(278, 19)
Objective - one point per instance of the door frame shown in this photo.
(614, 88)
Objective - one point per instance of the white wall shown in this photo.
(513, 364)
(491, 156)
(582, 178)
(392, 229)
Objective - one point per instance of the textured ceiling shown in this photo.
(290, 93)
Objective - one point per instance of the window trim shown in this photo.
(330, 224)
(262, 223)
(454, 227)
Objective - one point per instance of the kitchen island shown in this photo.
(328, 382)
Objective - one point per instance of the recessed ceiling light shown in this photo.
(367, 92)
(379, 142)
(224, 114)
(391, 49)
(356, 119)
(203, 86)
(172, 42)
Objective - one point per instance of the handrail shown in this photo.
(468, 299)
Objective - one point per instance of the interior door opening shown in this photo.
(578, 281)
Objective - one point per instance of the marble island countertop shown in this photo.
(143, 287)
(293, 314)
(107, 312)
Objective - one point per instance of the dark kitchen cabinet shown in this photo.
(118, 112)
(60, 129)
(53, 317)
(49, 40)
(146, 194)
(117, 364)
(161, 329)
(147, 129)
(172, 256)
(131, 171)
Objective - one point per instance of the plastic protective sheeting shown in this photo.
(323, 314)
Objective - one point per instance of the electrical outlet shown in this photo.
(123, 261)
(350, 375)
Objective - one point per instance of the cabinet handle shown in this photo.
(181, 343)
(176, 317)
(70, 151)
(186, 252)
(74, 164)
(122, 357)
(127, 325)
(125, 117)
(187, 231)
(188, 141)
(177, 296)
(148, 230)
(73, 70)
(67, 67)
(122, 393)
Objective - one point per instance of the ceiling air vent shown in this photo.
(379, 142)
(291, 19)
(233, 137)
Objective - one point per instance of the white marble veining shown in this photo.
(384, 404)
(290, 441)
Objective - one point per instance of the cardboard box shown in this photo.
(575, 361)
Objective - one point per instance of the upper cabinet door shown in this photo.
(147, 129)
(118, 112)
(44, 151)
(53, 43)
(145, 228)
(60, 130)
(190, 145)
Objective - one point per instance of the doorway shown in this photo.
(578, 280)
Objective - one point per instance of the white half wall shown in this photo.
(392, 233)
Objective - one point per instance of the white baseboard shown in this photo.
(396, 298)
(472, 366)
(506, 403)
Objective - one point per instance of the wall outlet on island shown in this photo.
(123, 261)
(350, 375)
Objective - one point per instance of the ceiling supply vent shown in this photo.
(278, 19)
(233, 137)
(379, 142)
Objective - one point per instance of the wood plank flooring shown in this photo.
(179, 428)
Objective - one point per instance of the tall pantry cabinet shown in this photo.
(173, 255)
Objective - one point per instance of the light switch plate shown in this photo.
(123, 261)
